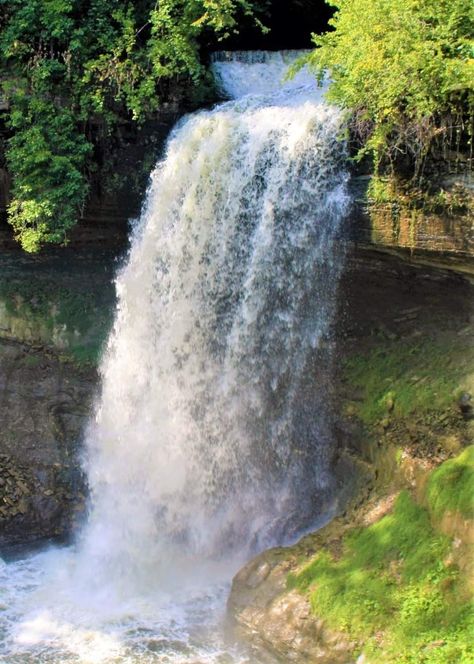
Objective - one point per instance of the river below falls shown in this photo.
(47, 617)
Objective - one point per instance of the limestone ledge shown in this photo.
(429, 238)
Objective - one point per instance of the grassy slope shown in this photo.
(397, 588)
(409, 376)
(401, 588)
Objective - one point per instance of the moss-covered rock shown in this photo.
(385, 583)
(451, 486)
(394, 589)
(55, 312)
(390, 579)
(404, 376)
(64, 302)
(431, 224)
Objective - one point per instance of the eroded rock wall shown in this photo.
(44, 403)
(55, 313)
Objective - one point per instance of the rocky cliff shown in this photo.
(405, 375)
(55, 312)
(434, 229)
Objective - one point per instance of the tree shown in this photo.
(405, 69)
(68, 63)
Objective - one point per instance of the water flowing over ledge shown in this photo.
(211, 438)
(240, 73)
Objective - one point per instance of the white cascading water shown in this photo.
(211, 439)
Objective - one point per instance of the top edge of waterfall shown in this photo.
(256, 56)
(242, 73)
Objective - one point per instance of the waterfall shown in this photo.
(211, 437)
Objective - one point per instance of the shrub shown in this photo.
(404, 68)
(68, 67)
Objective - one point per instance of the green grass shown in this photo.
(394, 590)
(451, 486)
(408, 377)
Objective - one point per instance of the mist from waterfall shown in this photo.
(211, 437)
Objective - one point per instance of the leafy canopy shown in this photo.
(70, 65)
(405, 68)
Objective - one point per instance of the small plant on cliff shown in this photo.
(404, 68)
(451, 486)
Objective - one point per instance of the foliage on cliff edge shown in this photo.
(67, 65)
(405, 69)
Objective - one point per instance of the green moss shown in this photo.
(74, 320)
(408, 377)
(31, 361)
(451, 486)
(53, 304)
(392, 592)
(404, 198)
(380, 190)
(87, 355)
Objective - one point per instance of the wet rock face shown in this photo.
(55, 312)
(446, 235)
(44, 404)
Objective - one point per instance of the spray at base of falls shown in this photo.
(211, 438)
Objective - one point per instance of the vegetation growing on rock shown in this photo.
(398, 587)
(74, 72)
(407, 376)
(67, 307)
(451, 486)
(391, 576)
(404, 68)
(70, 67)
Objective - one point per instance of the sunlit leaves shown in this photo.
(65, 62)
(406, 66)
